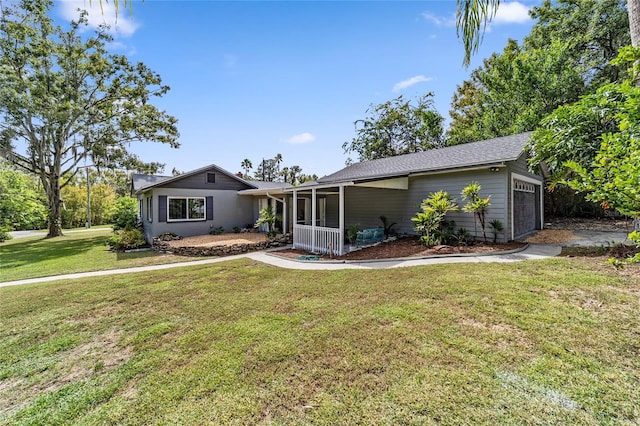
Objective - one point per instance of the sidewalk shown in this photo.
(532, 252)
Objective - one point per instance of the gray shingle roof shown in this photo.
(141, 181)
(269, 185)
(490, 151)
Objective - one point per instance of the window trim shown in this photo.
(150, 209)
(187, 219)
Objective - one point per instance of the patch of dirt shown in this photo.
(219, 240)
(551, 236)
(407, 247)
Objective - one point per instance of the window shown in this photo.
(140, 208)
(211, 177)
(149, 209)
(193, 208)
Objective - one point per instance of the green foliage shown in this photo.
(463, 236)
(268, 217)
(126, 239)
(4, 233)
(236, 229)
(573, 132)
(21, 203)
(608, 169)
(476, 205)
(429, 221)
(512, 92)
(68, 100)
(387, 226)
(397, 127)
(125, 213)
(567, 54)
(218, 230)
(352, 233)
(496, 227)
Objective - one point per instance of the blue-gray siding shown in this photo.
(364, 206)
(229, 210)
(199, 181)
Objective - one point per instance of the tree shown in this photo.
(68, 100)
(21, 203)
(597, 139)
(294, 175)
(397, 127)
(594, 31)
(246, 166)
(567, 54)
(472, 17)
(513, 91)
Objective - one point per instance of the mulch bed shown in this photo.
(407, 247)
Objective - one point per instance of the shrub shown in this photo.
(126, 239)
(429, 222)
(387, 227)
(236, 229)
(463, 236)
(4, 234)
(125, 213)
(218, 230)
(352, 233)
(497, 227)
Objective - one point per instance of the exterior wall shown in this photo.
(229, 210)
(199, 181)
(364, 206)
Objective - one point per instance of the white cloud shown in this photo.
(512, 13)
(439, 21)
(121, 24)
(410, 82)
(305, 137)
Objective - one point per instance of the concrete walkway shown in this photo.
(533, 251)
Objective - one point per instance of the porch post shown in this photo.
(295, 216)
(284, 213)
(313, 219)
(341, 219)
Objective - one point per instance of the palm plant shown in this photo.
(476, 205)
(268, 217)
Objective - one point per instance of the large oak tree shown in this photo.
(65, 100)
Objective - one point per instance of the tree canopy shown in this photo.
(397, 127)
(567, 54)
(67, 100)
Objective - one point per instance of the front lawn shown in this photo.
(538, 342)
(38, 256)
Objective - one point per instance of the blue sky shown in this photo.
(253, 79)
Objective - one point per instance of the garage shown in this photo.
(526, 207)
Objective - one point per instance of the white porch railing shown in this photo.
(317, 239)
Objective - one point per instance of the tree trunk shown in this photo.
(633, 8)
(55, 207)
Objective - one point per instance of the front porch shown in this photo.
(310, 232)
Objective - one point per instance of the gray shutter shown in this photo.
(162, 208)
(209, 208)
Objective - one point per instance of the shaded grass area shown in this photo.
(541, 342)
(38, 256)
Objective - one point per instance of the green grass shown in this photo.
(38, 256)
(538, 342)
